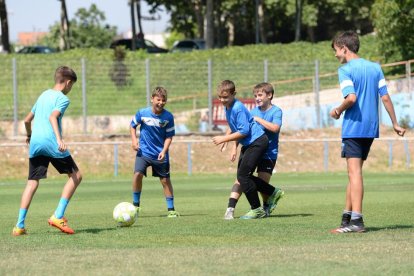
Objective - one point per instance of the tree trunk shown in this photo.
(210, 25)
(64, 27)
(198, 11)
(260, 14)
(230, 25)
(140, 30)
(133, 29)
(298, 19)
(4, 27)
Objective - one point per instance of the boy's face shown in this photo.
(262, 99)
(340, 53)
(68, 86)
(158, 103)
(226, 98)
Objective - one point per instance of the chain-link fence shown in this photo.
(109, 92)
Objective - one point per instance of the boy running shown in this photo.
(47, 146)
(244, 130)
(269, 117)
(156, 132)
(362, 83)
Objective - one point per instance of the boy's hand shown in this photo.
(399, 130)
(223, 147)
(217, 140)
(135, 147)
(61, 145)
(335, 114)
(161, 156)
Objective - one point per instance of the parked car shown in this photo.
(187, 45)
(148, 45)
(36, 50)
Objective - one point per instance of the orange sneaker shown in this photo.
(61, 224)
(18, 231)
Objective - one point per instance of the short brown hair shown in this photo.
(264, 87)
(64, 73)
(226, 86)
(349, 39)
(160, 92)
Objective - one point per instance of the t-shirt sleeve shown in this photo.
(136, 119)
(243, 126)
(382, 85)
(34, 108)
(345, 82)
(277, 117)
(62, 104)
(170, 131)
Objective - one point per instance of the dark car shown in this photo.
(36, 50)
(187, 45)
(139, 44)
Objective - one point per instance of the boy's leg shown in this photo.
(233, 199)
(265, 176)
(25, 201)
(137, 188)
(356, 185)
(169, 196)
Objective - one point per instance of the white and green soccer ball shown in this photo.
(125, 214)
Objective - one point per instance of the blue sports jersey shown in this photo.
(154, 129)
(240, 120)
(365, 79)
(43, 139)
(274, 116)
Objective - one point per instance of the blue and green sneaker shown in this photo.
(255, 214)
(274, 199)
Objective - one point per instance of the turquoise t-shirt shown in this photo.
(43, 140)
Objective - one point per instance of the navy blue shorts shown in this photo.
(356, 147)
(266, 165)
(159, 168)
(38, 166)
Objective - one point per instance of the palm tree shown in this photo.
(4, 26)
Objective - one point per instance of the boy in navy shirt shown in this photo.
(244, 130)
(362, 83)
(156, 132)
(269, 117)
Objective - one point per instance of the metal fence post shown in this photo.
(316, 91)
(407, 155)
(115, 159)
(189, 159)
(15, 99)
(390, 153)
(325, 155)
(147, 79)
(408, 75)
(265, 69)
(210, 94)
(84, 102)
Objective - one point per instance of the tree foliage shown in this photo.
(394, 21)
(88, 30)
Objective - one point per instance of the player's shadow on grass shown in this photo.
(390, 227)
(95, 230)
(289, 215)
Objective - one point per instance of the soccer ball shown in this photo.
(125, 214)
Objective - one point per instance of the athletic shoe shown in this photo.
(229, 213)
(355, 226)
(254, 214)
(346, 218)
(61, 224)
(274, 198)
(18, 231)
(137, 209)
(173, 214)
(266, 208)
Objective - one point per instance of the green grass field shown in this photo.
(295, 240)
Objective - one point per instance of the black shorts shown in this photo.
(356, 147)
(159, 168)
(266, 165)
(38, 166)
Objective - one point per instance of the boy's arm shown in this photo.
(133, 132)
(235, 136)
(386, 100)
(347, 103)
(53, 119)
(267, 125)
(28, 126)
(167, 144)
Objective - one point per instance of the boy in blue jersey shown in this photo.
(156, 132)
(362, 83)
(47, 146)
(269, 117)
(244, 130)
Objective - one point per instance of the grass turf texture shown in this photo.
(294, 240)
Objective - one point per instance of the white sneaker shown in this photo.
(229, 213)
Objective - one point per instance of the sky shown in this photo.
(38, 15)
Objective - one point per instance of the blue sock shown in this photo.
(22, 217)
(60, 211)
(170, 202)
(136, 197)
(355, 215)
